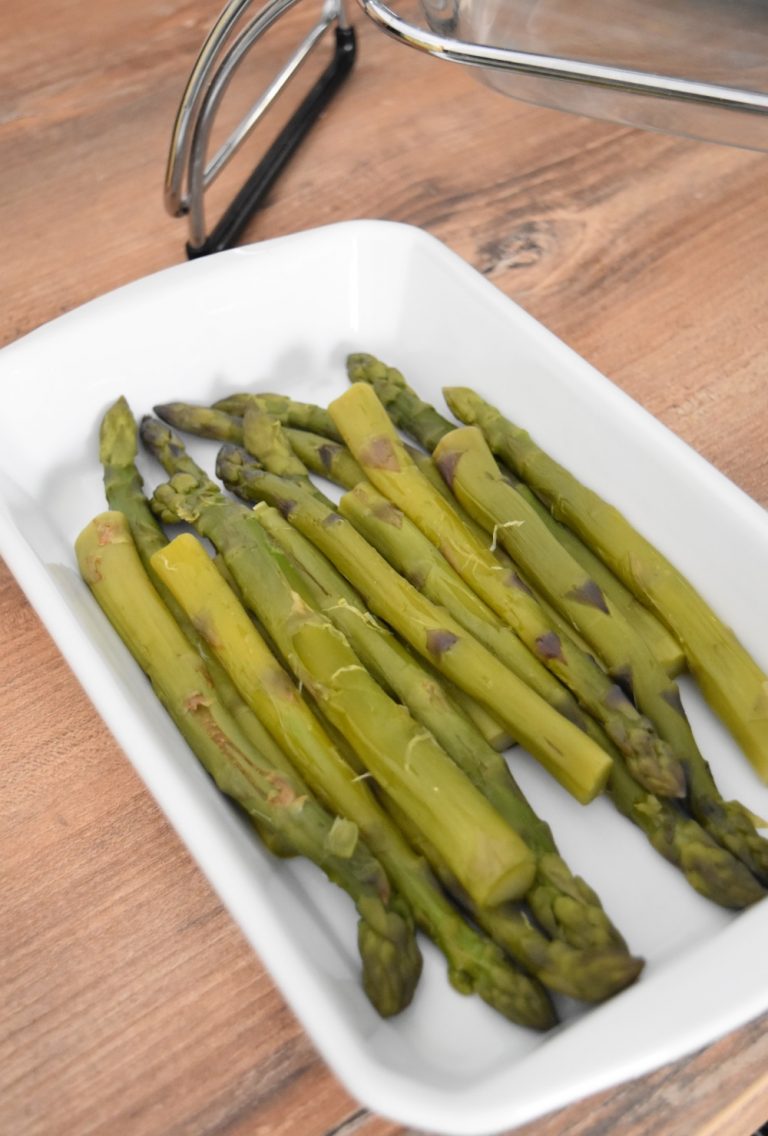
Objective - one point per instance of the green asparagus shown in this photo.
(288, 411)
(118, 444)
(730, 680)
(563, 904)
(475, 964)
(591, 975)
(372, 438)
(563, 748)
(279, 800)
(424, 423)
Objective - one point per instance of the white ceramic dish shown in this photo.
(283, 315)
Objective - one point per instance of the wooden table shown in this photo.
(130, 1002)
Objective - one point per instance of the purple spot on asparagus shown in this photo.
(388, 514)
(615, 698)
(331, 519)
(285, 506)
(549, 646)
(417, 577)
(672, 696)
(327, 452)
(589, 594)
(439, 641)
(447, 463)
(512, 580)
(623, 676)
(379, 453)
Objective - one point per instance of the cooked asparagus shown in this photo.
(564, 749)
(591, 974)
(288, 411)
(729, 678)
(277, 798)
(475, 964)
(489, 859)
(118, 444)
(424, 423)
(565, 906)
(372, 438)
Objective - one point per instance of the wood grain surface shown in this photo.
(130, 1003)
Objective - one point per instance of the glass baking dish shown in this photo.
(692, 67)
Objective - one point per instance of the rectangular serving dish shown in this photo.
(282, 316)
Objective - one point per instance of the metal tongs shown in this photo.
(190, 172)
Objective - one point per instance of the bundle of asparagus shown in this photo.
(348, 670)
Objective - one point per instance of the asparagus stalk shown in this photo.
(325, 457)
(568, 754)
(591, 975)
(731, 681)
(563, 904)
(407, 549)
(277, 798)
(475, 964)
(372, 438)
(288, 411)
(469, 468)
(725, 880)
(424, 423)
(269, 444)
(488, 858)
(728, 821)
(118, 444)
(710, 869)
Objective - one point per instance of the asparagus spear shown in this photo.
(488, 858)
(407, 549)
(118, 444)
(591, 975)
(424, 423)
(730, 680)
(372, 438)
(288, 411)
(469, 468)
(710, 869)
(557, 743)
(328, 666)
(475, 964)
(269, 444)
(279, 800)
(564, 904)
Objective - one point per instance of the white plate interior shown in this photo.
(282, 316)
